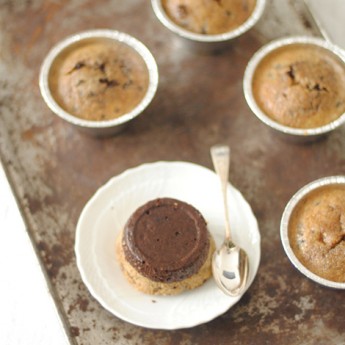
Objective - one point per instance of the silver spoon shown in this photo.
(230, 264)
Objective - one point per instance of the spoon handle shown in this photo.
(221, 160)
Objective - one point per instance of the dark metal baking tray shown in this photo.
(54, 169)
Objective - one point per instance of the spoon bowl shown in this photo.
(230, 268)
(230, 263)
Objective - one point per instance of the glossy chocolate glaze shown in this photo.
(166, 240)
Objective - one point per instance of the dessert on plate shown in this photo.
(165, 248)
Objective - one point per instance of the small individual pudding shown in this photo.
(301, 86)
(165, 248)
(209, 17)
(99, 79)
(317, 232)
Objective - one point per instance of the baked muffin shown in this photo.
(209, 17)
(99, 80)
(301, 86)
(165, 248)
(317, 232)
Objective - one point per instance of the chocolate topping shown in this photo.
(166, 240)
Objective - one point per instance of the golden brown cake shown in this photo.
(99, 80)
(209, 17)
(165, 248)
(317, 232)
(301, 86)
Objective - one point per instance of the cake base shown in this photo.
(151, 287)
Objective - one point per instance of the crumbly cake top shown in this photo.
(301, 86)
(99, 80)
(317, 232)
(209, 17)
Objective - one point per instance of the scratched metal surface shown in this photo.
(54, 169)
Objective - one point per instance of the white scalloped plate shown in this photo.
(105, 215)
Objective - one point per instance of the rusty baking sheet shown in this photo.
(54, 169)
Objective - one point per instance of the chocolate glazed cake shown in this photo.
(165, 247)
